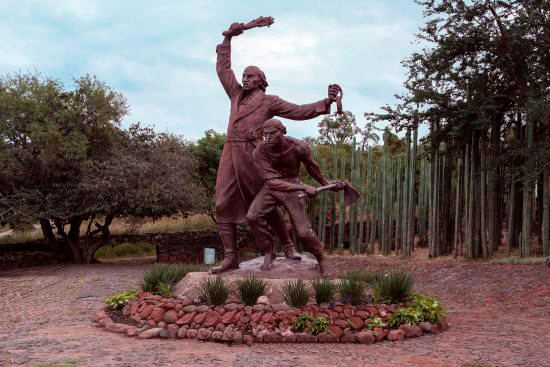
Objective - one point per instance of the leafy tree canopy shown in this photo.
(64, 159)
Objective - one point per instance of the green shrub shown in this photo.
(250, 288)
(430, 308)
(140, 249)
(120, 300)
(352, 290)
(423, 309)
(301, 322)
(167, 274)
(393, 287)
(319, 325)
(214, 290)
(374, 323)
(295, 292)
(324, 290)
(407, 315)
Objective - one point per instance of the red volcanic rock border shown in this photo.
(261, 323)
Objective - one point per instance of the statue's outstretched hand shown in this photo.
(333, 90)
(340, 185)
(310, 191)
(234, 30)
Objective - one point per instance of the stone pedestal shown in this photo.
(282, 270)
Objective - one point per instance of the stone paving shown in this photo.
(498, 314)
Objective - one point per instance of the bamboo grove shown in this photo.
(478, 180)
(412, 195)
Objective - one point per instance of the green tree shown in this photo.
(66, 160)
(337, 129)
(206, 153)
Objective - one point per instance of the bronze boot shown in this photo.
(290, 251)
(281, 229)
(228, 234)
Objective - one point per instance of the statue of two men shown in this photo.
(238, 181)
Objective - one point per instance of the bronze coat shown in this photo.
(237, 182)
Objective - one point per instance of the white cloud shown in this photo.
(161, 56)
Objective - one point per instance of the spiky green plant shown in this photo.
(324, 290)
(393, 287)
(352, 290)
(250, 288)
(214, 290)
(165, 290)
(167, 274)
(295, 292)
(368, 277)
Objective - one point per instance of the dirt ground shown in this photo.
(499, 316)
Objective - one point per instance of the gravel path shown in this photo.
(499, 315)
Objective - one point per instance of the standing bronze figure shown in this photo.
(278, 159)
(238, 182)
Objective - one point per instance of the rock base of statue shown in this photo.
(282, 270)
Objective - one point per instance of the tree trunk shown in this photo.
(483, 224)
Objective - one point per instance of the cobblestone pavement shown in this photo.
(499, 315)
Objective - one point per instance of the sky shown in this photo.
(161, 55)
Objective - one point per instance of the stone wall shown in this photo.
(171, 248)
(150, 316)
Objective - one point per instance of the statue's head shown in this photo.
(254, 78)
(273, 131)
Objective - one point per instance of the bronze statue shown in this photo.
(278, 160)
(238, 182)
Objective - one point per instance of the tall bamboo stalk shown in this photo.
(342, 210)
(412, 197)
(384, 174)
(399, 209)
(511, 218)
(458, 203)
(406, 190)
(483, 173)
(333, 201)
(528, 194)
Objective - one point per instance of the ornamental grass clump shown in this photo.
(352, 290)
(324, 289)
(368, 277)
(214, 290)
(120, 300)
(250, 288)
(295, 292)
(393, 287)
(162, 275)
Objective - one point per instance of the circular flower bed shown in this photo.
(149, 316)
